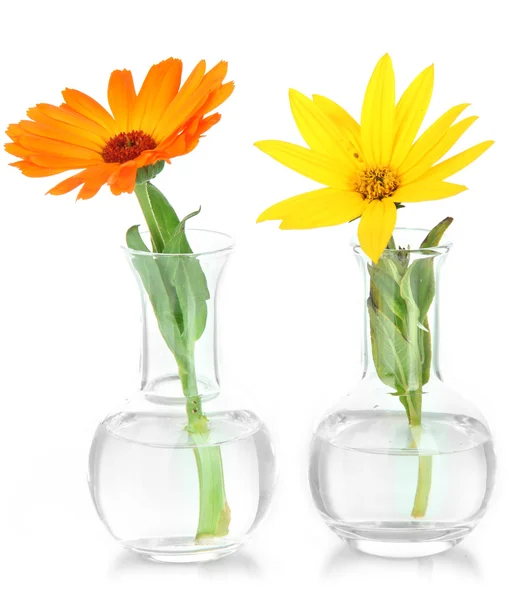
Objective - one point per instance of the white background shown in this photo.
(289, 309)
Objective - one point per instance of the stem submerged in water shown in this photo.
(421, 499)
(214, 513)
(413, 403)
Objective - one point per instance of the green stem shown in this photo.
(423, 488)
(141, 191)
(214, 513)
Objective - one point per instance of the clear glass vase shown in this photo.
(405, 466)
(176, 474)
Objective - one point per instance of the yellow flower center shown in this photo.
(377, 183)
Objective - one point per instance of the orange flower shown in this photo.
(162, 121)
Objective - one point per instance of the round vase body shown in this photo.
(402, 468)
(145, 486)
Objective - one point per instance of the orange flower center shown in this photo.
(127, 146)
(377, 183)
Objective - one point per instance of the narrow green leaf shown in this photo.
(182, 225)
(420, 280)
(134, 240)
(412, 321)
(388, 290)
(424, 340)
(177, 242)
(164, 300)
(434, 237)
(191, 287)
(391, 350)
(388, 265)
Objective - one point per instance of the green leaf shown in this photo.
(387, 290)
(391, 350)
(181, 227)
(191, 288)
(164, 300)
(434, 237)
(424, 341)
(160, 216)
(420, 282)
(388, 265)
(188, 279)
(177, 242)
(414, 327)
(134, 240)
(183, 279)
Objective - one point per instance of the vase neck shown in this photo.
(178, 345)
(401, 319)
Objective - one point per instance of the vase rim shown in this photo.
(225, 245)
(442, 248)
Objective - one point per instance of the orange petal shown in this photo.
(178, 144)
(147, 94)
(46, 146)
(164, 94)
(57, 133)
(218, 97)
(123, 180)
(31, 170)
(91, 178)
(89, 108)
(207, 123)
(121, 97)
(93, 185)
(190, 100)
(62, 162)
(172, 115)
(17, 150)
(92, 138)
(14, 131)
(65, 114)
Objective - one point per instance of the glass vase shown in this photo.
(176, 474)
(405, 466)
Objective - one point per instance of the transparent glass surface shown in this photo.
(181, 472)
(159, 373)
(144, 483)
(384, 486)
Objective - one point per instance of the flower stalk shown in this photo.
(401, 293)
(177, 288)
(214, 513)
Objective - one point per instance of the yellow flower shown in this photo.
(369, 169)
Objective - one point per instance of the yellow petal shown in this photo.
(309, 163)
(452, 165)
(343, 120)
(410, 112)
(320, 208)
(318, 131)
(431, 137)
(376, 227)
(378, 114)
(421, 191)
(439, 150)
